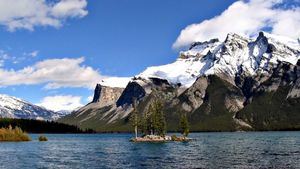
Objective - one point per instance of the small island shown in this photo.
(43, 138)
(152, 125)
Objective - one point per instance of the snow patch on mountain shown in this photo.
(183, 71)
(283, 40)
(120, 82)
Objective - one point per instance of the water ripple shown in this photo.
(210, 150)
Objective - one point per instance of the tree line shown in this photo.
(40, 126)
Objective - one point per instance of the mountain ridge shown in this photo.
(13, 107)
(188, 67)
(213, 82)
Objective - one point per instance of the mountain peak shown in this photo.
(282, 40)
(197, 44)
(237, 54)
(235, 37)
(12, 107)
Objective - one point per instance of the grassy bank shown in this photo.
(13, 134)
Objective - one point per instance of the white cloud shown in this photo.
(27, 14)
(61, 102)
(1, 63)
(246, 18)
(70, 8)
(32, 54)
(56, 73)
(3, 57)
(6, 57)
(90, 98)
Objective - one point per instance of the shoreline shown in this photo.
(160, 139)
(126, 132)
(177, 132)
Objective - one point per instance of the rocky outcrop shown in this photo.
(132, 91)
(295, 90)
(139, 88)
(284, 74)
(97, 93)
(104, 95)
(275, 101)
(193, 97)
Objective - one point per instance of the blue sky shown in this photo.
(114, 38)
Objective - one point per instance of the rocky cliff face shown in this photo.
(232, 85)
(133, 90)
(295, 90)
(194, 96)
(105, 95)
(101, 110)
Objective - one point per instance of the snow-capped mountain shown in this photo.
(236, 84)
(236, 55)
(12, 107)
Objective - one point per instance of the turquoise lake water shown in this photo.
(209, 150)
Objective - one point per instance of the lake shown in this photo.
(209, 150)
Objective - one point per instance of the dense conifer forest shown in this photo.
(39, 126)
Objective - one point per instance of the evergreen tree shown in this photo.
(134, 117)
(184, 125)
(159, 119)
(154, 121)
(148, 121)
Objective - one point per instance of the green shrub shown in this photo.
(174, 137)
(43, 138)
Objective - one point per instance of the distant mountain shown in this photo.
(236, 84)
(12, 107)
